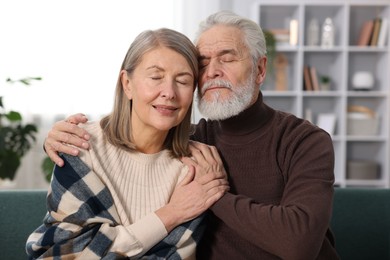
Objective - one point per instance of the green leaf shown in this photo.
(9, 164)
(13, 116)
(25, 81)
(47, 167)
(15, 138)
(271, 49)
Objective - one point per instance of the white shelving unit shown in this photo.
(340, 63)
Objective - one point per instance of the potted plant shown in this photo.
(271, 50)
(325, 83)
(16, 138)
(270, 41)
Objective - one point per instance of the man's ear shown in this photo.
(261, 70)
(126, 84)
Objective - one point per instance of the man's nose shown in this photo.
(214, 69)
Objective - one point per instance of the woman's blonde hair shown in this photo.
(117, 125)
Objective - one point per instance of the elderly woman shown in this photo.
(129, 195)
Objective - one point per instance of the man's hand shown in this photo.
(65, 133)
(206, 160)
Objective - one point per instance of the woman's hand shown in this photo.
(191, 198)
(65, 133)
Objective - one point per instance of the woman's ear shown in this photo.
(261, 70)
(126, 83)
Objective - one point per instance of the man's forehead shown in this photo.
(215, 44)
(219, 46)
(220, 37)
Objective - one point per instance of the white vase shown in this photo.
(362, 80)
(313, 33)
(328, 33)
(325, 86)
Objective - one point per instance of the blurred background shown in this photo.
(76, 47)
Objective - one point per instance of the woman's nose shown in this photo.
(169, 90)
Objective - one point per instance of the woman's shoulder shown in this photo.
(96, 141)
(93, 127)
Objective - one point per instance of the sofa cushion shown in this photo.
(21, 212)
(361, 223)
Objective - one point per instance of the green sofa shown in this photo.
(360, 222)
(20, 213)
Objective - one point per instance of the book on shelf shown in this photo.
(365, 33)
(314, 78)
(383, 32)
(310, 78)
(375, 32)
(281, 35)
(307, 79)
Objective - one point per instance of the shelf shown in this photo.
(365, 183)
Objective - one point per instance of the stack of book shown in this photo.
(310, 79)
(374, 32)
(286, 36)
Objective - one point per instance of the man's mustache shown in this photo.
(215, 82)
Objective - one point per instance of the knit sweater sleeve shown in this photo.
(82, 220)
(293, 228)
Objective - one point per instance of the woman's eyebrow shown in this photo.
(155, 67)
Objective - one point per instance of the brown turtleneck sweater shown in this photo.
(281, 176)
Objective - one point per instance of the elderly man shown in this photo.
(280, 167)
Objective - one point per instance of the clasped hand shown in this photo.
(205, 183)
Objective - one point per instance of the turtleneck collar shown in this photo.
(248, 121)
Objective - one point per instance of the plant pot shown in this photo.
(7, 184)
(325, 86)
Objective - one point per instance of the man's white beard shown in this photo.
(220, 109)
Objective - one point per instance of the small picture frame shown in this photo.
(327, 121)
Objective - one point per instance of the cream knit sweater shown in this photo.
(139, 184)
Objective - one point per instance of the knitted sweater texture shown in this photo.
(281, 176)
(101, 206)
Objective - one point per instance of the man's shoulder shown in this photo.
(296, 125)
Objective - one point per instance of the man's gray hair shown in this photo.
(253, 34)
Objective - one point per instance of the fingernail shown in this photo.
(75, 152)
(86, 136)
(85, 145)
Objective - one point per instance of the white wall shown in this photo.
(77, 47)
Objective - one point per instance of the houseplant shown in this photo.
(16, 137)
(47, 166)
(270, 41)
(324, 82)
(271, 50)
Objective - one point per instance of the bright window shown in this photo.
(76, 46)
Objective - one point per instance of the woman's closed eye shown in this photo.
(184, 80)
(156, 77)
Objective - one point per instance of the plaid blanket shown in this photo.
(82, 221)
